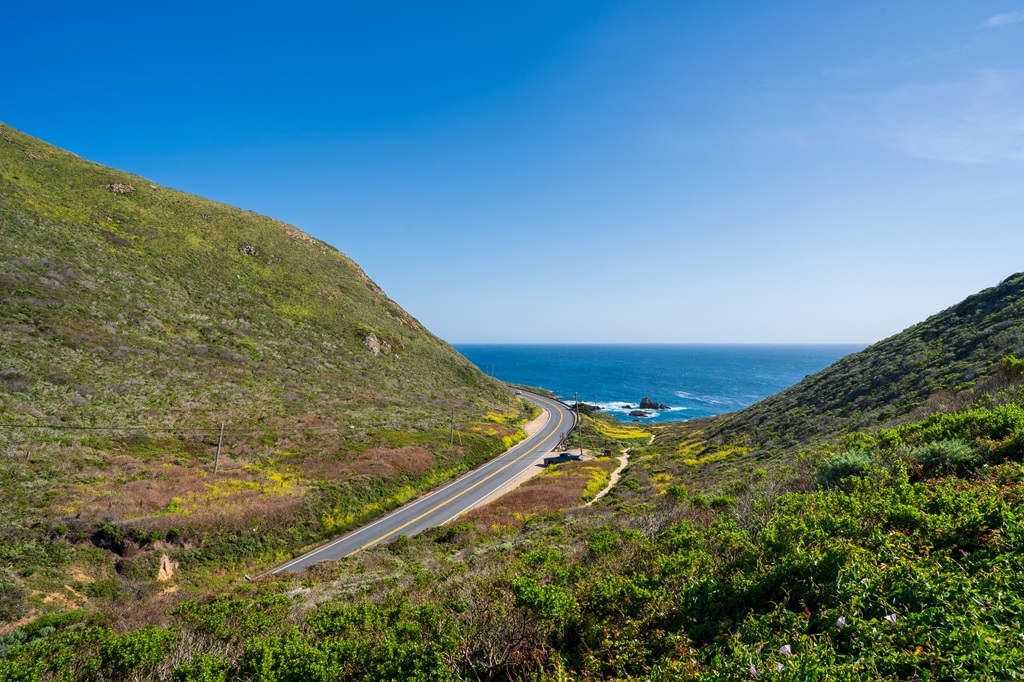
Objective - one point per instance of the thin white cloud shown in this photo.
(975, 120)
(978, 120)
(1005, 19)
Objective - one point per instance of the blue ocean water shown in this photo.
(694, 381)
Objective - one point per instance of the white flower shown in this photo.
(786, 650)
(891, 617)
(754, 671)
(863, 581)
(841, 622)
(779, 667)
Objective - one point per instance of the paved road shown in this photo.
(457, 497)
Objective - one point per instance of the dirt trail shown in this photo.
(614, 478)
(624, 461)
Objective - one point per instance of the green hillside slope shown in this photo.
(136, 320)
(879, 554)
(919, 370)
(127, 303)
(884, 539)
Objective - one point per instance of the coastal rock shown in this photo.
(375, 345)
(166, 568)
(627, 407)
(648, 404)
(639, 413)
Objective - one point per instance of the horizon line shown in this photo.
(657, 343)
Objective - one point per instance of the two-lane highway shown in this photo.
(457, 497)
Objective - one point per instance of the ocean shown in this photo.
(693, 381)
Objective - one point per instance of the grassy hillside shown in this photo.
(126, 303)
(961, 357)
(919, 369)
(897, 557)
(865, 525)
(135, 320)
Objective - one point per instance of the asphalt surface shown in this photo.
(455, 498)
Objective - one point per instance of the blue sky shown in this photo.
(674, 172)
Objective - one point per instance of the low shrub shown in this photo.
(844, 464)
(947, 457)
(12, 598)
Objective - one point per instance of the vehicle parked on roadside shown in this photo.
(562, 457)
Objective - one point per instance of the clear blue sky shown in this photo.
(685, 172)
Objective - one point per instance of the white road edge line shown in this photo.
(411, 505)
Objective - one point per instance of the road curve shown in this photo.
(457, 497)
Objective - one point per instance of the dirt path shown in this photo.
(614, 478)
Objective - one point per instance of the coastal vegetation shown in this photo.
(191, 388)
(947, 362)
(865, 524)
(903, 563)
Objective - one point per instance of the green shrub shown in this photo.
(107, 588)
(130, 655)
(844, 464)
(235, 620)
(947, 457)
(203, 668)
(551, 604)
(677, 492)
(722, 502)
(603, 542)
(996, 424)
(1013, 364)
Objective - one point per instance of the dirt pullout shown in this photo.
(531, 428)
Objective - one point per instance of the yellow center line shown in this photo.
(452, 499)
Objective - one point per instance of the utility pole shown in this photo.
(220, 440)
(451, 433)
(579, 424)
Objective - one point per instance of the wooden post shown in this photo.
(579, 424)
(220, 440)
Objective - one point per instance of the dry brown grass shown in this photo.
(159, 497)
(131, 615)
(389, 463)
(132, 488)
(384, 463)
(550, 492)
(245, 511)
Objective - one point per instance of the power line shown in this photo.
(176, 429)
(98, 428)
